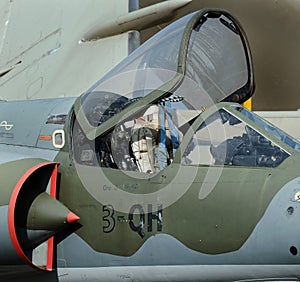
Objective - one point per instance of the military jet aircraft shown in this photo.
(155, 173)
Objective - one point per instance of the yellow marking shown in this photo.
(248, 104)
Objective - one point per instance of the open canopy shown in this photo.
(200, 59)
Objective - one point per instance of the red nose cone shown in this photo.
(72, 217)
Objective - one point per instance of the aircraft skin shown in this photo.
(219, 203)
(40, 55)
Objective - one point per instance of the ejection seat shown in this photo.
(154, 139)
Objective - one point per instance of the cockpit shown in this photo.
(148, 140)
(145, 141)
(136, 117)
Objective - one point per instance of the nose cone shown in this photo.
(46, 217)
(47, 213)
